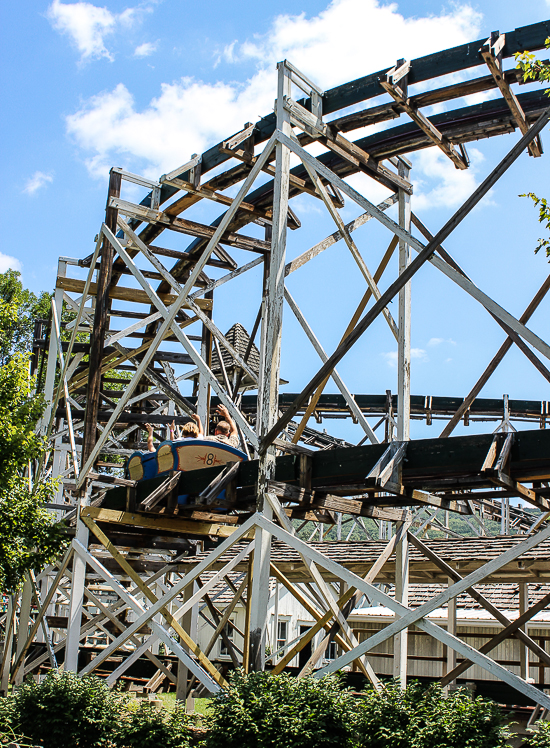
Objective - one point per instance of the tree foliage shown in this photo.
(261, 709)
(19, 307)
(540, 737)
(536, 70)
(29, 537)
(70, 711)
(417, 717)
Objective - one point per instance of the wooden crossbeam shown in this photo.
(191, 228)
(136, 295)
(337, 143)
(493, 60)
(425, 125)
(501, 636)
(429, 499)
(157, 522)
(322, 500)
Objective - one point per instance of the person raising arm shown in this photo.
(226, 430)
(150, 445)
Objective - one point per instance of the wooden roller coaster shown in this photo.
(160, 534)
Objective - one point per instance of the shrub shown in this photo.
(65, 710)
(423, 718)
(147, 727)
(68, 711)
(261, 709)
(540, 737)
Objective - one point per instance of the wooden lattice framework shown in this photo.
(85, 425)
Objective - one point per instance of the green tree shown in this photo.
(20, 307)
(29, 536)
(536, 70)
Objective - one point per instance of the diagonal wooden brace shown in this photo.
(492, 54)
(425, 125)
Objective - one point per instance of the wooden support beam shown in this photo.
(425, 125)
(344, 148)
(322, 500)
(191, 228)
(479, 598)
(148, 593)
(158, 522)
(125, 294)
(493, 59)
(429, 499)
(500, 637)
(217, 616)
(97, 333)
(342, 602)
(223, 621)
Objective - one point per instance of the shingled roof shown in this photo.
(465, 555)
(239, 339)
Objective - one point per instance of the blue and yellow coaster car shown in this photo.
(182, 455)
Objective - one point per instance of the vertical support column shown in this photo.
(268, 390)
(51, 365)
(404, 342)
(77, 590)
(451, 628)
(400, 640)
(23, 627)
(8, 644)
(505, 516)
(275, 631)
(523, 651)
(189, 623)
(97, 334)
(203, 392)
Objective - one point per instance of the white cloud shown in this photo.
(174, 125)
(87, 26)
(38, 180)
(438, 183)
(179, 121)
(439, 341)
(332, 47)
(416, 353)
(9, 263)
(145, 49)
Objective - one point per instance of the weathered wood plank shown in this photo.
(136, 295)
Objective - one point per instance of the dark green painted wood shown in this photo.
(428, 459)
(452, 60)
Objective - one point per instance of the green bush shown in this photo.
(147, 727)
(68, 711)
(65, 710)
(540, 737)
(261, 710)
(423, 718)
(258, 710)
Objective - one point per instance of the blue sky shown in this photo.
(88, 86)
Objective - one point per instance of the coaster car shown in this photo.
(182, 455)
